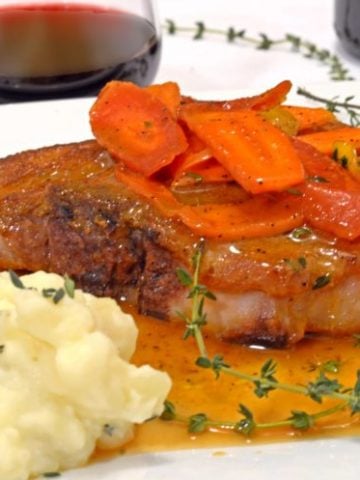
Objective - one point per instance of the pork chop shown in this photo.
(62, 210)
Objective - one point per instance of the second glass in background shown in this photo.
(347, 24)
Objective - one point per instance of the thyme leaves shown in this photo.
(262, 41)
(336, 105)
(15, 279)
(264, 382)
(322, 281)
(55, 294)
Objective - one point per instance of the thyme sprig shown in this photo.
(262, 41)
(264, 382)
(336, 105)
(246, 424)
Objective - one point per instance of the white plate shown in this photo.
(32, 125)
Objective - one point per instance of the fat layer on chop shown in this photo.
(62, 210)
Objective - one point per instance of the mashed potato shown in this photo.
(65, 381)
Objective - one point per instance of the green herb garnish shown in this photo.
(331, 366)
(264, 382)
(294, 43)
(322, 281)
(69, 286)
(336, 105)
(301, 233)
(15, 280)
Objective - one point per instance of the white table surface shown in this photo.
(214, 64)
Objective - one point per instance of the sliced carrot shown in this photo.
(259, 156)
(325, 141)
(331, 197)
(169, 94)
(195, 150)
(271, 98)
(261, 216)
(192, 159)
(206, 193)
(158, 194)
(332, 210)
(208, 170)
(320, 168)
(265, 101)
(311, 118)
(197, 164)
(136, 127)
(264, 215)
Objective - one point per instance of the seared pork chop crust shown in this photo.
(62, 210)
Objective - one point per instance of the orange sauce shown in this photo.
(196, 390)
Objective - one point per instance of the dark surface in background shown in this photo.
(347, 24)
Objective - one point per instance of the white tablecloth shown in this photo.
(214, 64)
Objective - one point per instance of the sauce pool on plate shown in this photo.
(196, 390)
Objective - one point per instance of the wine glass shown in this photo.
(52, 49)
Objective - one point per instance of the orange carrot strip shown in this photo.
(169, 94)
(332, 210)
(319, 166)
(136, 127)
(331, 197)
(194, 151)
(324, 141)
(261, 216)
(159, 195)
(265, 101)
(197, 159)
(271, 98)
(259, 156)
(264, 215)
(311, 118)
(208, 170)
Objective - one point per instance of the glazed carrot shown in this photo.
(271, 98)
(189, 160)
(263, 215)
(324, 141)
(323, 169)
(331, 197)
(259, 156)
(265, 101)
(169, 94)
(158, 194)
(332, 210)
(197, 164)
(136, 127)
(311, 118)
(196, 151)
(208, 170)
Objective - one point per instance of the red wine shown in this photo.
(58, 50)
(347, 24)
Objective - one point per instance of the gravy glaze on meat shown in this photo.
(62, 210)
